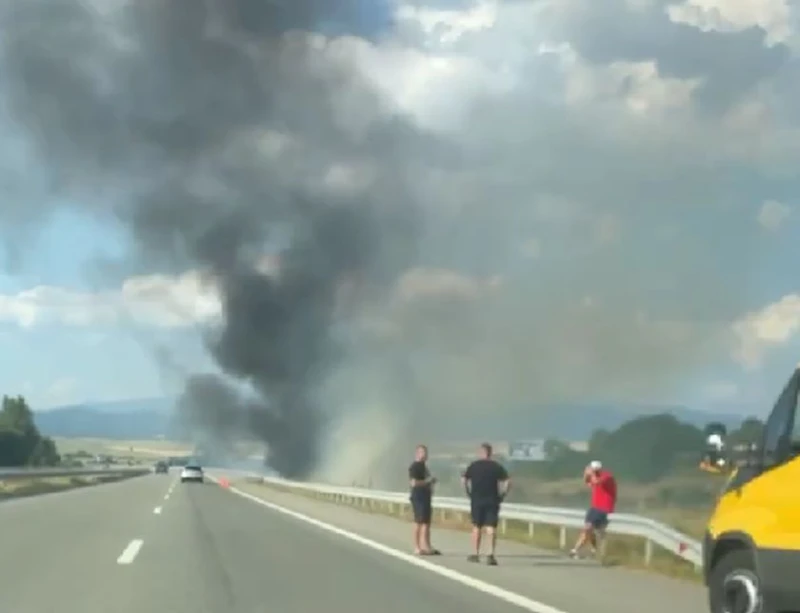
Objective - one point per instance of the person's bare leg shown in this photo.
(425, 537)
(492, 534)
(476, 540)
(417, 538)
(584, 536)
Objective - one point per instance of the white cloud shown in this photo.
(157, 300)
(448, 26)
(771, 327)
(603, 130)
(772, 215)
(773, 16)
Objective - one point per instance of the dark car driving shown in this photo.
(161, 467)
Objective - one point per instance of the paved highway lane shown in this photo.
(212, 551)
(149, 544)
(58, 551)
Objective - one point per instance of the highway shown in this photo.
(153, 544)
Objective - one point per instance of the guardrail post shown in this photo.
(562, 537)
(530, 529)
(648, 552)
(503, 526)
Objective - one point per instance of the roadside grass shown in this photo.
(33, 487)
(135, 449)
(629, 552)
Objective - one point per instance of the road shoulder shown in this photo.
(541, 575)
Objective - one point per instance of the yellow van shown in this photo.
(751, 549)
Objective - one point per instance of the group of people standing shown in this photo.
(487, 483)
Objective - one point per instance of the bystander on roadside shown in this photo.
(603, 502)
(487, 483)
(421, 496)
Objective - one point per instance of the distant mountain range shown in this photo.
(142, 419)
(152, 418)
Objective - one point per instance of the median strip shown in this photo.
(21, 487)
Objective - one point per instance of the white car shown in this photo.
(192, 472)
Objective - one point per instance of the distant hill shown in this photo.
(569, 422)
(150, 418)
(144, 419)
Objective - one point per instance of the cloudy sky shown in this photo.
(619, 218)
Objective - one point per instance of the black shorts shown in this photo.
(485, 513)
(422, 508)
(597, 519)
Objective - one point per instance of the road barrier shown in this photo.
(651, 532)
(22, 474)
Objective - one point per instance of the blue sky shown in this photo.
(56, 363)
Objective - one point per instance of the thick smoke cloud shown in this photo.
(588, 233)
(157, 113)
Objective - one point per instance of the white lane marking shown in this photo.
(169, 491)
(131, 551)
(527, 604)
(157, 510)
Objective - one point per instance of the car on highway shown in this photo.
(751, 549)
(161, 467)
(192, 472)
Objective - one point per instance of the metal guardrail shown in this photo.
(18, 474)
(649, 530)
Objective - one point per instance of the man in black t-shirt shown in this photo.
(422, 483)
(487, 484)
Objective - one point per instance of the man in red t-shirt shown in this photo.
(604, 500)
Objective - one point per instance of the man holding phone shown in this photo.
(422, 484)
(604, 500)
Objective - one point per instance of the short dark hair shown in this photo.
(487, 447)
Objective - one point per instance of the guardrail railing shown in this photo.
(18, 474)
(652, 533)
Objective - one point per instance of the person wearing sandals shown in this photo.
(487, 483)
(422, 502)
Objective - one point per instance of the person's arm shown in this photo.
(590, 477)
(429, 478)
(601, 479)
(505, 482)
(466, 480)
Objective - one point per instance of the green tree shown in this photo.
(21, 443)
(648, 448)
(749, 431)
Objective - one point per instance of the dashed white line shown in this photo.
(130, 552)
(157, 510)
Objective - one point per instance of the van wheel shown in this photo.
(734, 586)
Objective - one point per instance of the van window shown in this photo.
(779, 431)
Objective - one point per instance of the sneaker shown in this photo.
(573, 553)
(473, 558)
(491, 560)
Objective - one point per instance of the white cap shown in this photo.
(595, 465)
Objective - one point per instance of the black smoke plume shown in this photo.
(156, 113)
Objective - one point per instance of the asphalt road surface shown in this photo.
(151, 544)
